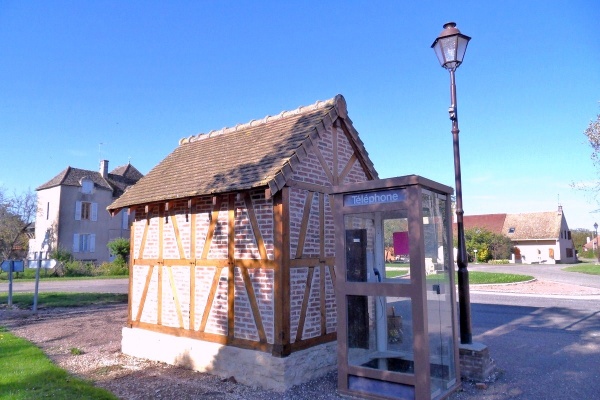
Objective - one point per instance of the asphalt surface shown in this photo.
(120, 285)
(545, 347)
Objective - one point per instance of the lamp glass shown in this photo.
(450, 50)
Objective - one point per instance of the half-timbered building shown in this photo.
(232, 247)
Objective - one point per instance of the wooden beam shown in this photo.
(211, 298)
(192, 263)
(305, 344)
(323, 304)
(324, 164)
(309, 186)
(281, 289)
(175, 297)
(304, 225)
(311, 262)
(305, 300)
(254, 305)
(159, 292)
(177, 235)
(334, 136)
(322, 226)
(144, 293)
(348, 167)
(211, 227)
(231, 269)
(262, 250)
(131, 274)
(208, 337)
(143, 243)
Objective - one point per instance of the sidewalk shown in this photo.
(538, 287)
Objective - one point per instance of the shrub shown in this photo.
(113, 268)
(120, 248)
(78, 268)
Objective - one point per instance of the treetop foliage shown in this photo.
(17, 211)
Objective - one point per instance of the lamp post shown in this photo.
(450, 47)
(595, 242)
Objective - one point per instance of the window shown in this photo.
(48, 210)
(84, 243)
(124, 220)
(87, 185)
(569, 252)
(511, 230)
(85, 210)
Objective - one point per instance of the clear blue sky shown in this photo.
(82, 81)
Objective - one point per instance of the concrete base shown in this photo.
(475, 362)
(252, 368)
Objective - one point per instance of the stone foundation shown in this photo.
(252, 368)
(475, 362)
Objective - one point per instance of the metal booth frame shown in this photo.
(397, 326)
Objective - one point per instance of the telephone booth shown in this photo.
(397, 331)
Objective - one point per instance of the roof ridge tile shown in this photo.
(319, 104)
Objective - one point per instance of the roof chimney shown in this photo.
(104, 168)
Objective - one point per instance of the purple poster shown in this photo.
(401, 243)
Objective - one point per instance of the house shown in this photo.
(68, 212)
(541, 237)
(591, 244)
(232, 265)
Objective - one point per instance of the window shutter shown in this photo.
(124, 219)
(92, 243)
(77, 211)
(94, 211)
(76, 243)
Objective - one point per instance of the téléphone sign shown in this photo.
(378, 197)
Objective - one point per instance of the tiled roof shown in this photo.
(526, 226)
(260, 153)
(489, 222)
(533, 226)
(117, 181)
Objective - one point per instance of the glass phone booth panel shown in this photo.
(394, 278)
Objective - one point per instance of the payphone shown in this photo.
(397, 334)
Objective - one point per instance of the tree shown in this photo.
(580, 237)
(120, 248)
(593, 134)
(489, 246)
(17, 211)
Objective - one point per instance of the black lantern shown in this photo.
(450, 46)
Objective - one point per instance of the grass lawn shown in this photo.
(589, 269)
(475, 277)
(487, 278)
(28, 374)
(60, 299)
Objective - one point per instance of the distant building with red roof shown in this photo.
(541, 237)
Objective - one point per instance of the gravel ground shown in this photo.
(96, 331)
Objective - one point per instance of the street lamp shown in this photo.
(450, 47)
(595, 242)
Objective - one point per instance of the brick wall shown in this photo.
(318, 247)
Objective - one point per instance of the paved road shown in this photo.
(545, 348)
(120, 285)
(547, 272)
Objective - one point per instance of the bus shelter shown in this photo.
(397, 330)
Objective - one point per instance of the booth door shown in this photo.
(356, 271)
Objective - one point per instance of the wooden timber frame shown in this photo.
(241, 253)
(282, 263)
